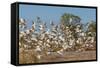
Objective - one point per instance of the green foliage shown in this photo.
(92, 27)
(68, 19)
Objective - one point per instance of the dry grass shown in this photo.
(29, 56)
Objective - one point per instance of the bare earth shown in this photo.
(71, 56)
(54, 57)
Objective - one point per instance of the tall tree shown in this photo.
(92, 26)
(70, 19)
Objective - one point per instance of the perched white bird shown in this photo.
(38, 48)
(22, 23)
(19, 44)
(21, 34)
(70, 20)
(79, 41)
(38, 56)
(33, 26)
(26, 46)
(48, 53)
(21, 20)
(92, 39)
(61, 38)
(65, 46)
(48, 31)
(42, 28)
(72, 42)
(27, 31)
(60, 51)
(34, 39)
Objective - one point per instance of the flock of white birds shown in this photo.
(44, 40)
